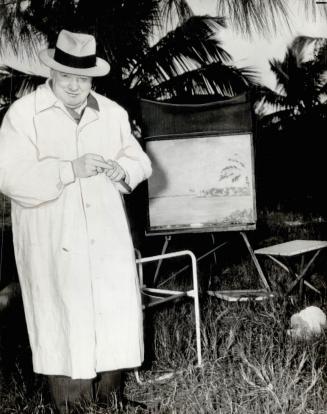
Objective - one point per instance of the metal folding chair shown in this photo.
(154, 296)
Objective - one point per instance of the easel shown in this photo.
(156, 295)
(222, 132)
(230, 295)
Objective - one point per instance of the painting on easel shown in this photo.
(212, 189)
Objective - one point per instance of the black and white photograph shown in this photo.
(163, 209)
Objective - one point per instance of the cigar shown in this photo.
(125, 185)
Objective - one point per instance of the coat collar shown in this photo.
(45, 99)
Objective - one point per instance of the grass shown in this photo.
(250, 364)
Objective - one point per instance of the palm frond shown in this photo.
(172, 9)
(247, 16)
(275, 100)
(279, 118)
(213, 79)
(300, 75)
(307, 48)
(281, 72)
(16, 32)
(323, 89)
(315, 8)
(291, 73)
(192, 45)
(301, 81)
(320, 53)
(122, 28)
(14, 84)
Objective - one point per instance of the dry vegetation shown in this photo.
(250, 364)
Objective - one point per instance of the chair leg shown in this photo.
(197, 329)
(196, 307)
(191, 293)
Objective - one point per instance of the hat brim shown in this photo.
(101, 67)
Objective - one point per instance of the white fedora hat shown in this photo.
(75, 53)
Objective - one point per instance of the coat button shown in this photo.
(92, 241)
(87, 205)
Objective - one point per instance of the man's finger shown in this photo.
(109, 173)
(110, 167)
(95, 156)
(115, 175)
(101, 164)
(111, 163)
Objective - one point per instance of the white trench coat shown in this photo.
(72, 242)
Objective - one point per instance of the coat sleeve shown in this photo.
(24, 177)
(131, 157)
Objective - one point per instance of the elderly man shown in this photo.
(66, 156)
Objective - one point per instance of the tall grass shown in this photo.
(250, 364)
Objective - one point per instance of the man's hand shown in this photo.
(89, 165)
(114, 171)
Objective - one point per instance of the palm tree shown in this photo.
(301, 83)
(290, 150)
(187, 61)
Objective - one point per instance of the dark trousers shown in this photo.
(67, 392)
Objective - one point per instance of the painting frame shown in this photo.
(155, 227)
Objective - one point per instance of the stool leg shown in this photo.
(301, 284)
(301, 292)
(303, 273)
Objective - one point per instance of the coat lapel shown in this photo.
(89, 115)
(91, 112)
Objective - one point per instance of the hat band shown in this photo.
(83, 62)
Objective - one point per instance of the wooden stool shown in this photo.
(283, 252)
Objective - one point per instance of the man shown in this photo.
(66, 155)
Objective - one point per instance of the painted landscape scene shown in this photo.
(213, 187)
